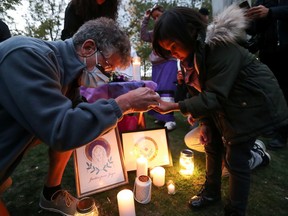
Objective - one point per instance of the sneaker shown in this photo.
(260, 148)
(170, 125)
(62, 202)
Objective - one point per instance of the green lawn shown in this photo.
(268, 196)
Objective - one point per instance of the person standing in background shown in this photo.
(269, 21)
(164, 71)
(4, 31)
(79, 11)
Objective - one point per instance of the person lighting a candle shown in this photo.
(40, 101)
(234, 96)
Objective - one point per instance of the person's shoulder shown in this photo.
(227, 27)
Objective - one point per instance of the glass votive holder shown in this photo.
(171, 187)
(186, 162)
(86, 207)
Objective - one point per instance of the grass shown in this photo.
(268, 194)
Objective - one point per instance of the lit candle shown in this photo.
(158, 174)
(142, 166)
(126, 205)
(136, 68)
(186, 162)
(171, 187)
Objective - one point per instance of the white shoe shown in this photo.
(170, 125)
(260, 148)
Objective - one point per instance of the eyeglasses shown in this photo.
(108, 66)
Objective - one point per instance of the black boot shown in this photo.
(207, 195)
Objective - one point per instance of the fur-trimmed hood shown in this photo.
(227, 27)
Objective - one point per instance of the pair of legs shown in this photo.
(57, 165)
(236, 159)
(165, 75)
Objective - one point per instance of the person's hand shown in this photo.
(205, 134)
(165, 107)
(257, 12)
(148, 13)
(191, 120)
(138, 100)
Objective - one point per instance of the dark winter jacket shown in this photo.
(239, 92)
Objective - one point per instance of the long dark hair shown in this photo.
(89, 9)
(181, 24)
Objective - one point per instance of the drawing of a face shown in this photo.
(99, 156)
(98, 152)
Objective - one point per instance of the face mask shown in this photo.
(93, 78)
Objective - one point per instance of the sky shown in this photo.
(20, 11)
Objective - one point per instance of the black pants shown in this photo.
(236, 157)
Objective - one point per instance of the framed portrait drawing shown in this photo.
(99, 165)
(150, 143)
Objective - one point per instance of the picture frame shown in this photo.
(150, 143)
(99, 165)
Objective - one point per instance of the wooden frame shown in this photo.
(150, 143)
(99, 165)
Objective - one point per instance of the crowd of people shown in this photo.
(228, 87)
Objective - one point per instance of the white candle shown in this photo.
(142, 166)
(137, 68)
(126, 205)
(158, 176)
(171, 187)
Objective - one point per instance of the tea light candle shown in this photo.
(142, 166)
(158, 174)
(126, 205)
(171, 187)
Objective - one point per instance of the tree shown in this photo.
(45, 19)
(8, 5)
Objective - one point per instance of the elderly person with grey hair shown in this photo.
(39, 101)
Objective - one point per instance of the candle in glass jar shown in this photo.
(158, 174)
(142, 166)
(126, 205)
(186, 162)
